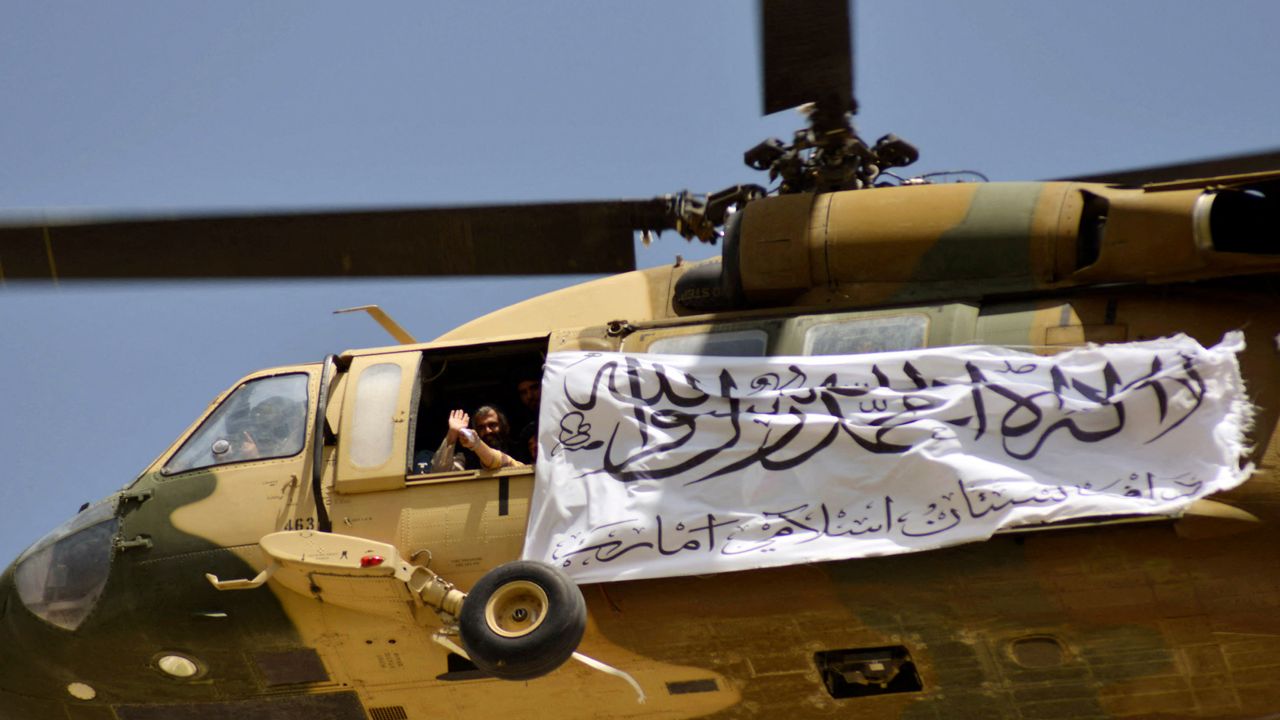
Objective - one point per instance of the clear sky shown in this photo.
(162, 105)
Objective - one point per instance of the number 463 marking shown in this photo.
(302, 523)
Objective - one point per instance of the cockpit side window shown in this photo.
(263, 419)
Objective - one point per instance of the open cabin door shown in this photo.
(469, 520)
(377, 419)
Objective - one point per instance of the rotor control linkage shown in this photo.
(829, 155)
(699, 216)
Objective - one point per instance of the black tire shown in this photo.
(522, 620)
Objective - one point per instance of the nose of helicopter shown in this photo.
(95, 628)
(46, 595)
(27, 690)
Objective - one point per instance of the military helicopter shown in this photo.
(260, 667)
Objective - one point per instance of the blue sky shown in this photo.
(156, 105)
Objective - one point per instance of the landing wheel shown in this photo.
(522, 620)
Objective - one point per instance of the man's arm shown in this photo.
(445, 459)
(490, 459)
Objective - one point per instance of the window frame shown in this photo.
(216, 407)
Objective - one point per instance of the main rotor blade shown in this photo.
(1207, 168)
(546, 238)
(805, 46)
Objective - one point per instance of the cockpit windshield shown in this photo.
(61, 576)
(263, 419)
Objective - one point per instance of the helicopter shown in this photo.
(1129, 651)
(199, 322)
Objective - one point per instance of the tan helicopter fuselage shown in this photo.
(1141, 618)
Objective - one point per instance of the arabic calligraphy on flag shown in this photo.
(664, 465)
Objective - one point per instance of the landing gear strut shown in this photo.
(521, 620)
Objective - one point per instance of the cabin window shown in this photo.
(504, 376)
(373, 436)
(751, 342)
(865, 335)
(263, 419)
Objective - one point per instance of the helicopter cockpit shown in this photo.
(61, 577)
(262, 419)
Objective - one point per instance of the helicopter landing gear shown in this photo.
(522, 620)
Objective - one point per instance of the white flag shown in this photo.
(661, 465)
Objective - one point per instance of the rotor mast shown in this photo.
(806, 62)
